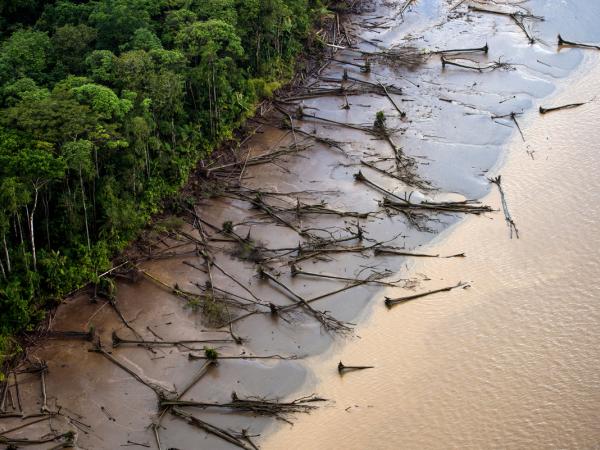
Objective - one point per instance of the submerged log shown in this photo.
(375, 278)
(118, 341)
(558, 108)
(562, 41)
(343, 368)
(483, 49)
(393, 251)
(509, 220)
(389, 302)
(193, 356)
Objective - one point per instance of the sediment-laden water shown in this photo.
(511, 362)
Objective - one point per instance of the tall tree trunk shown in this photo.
(22, 239)
(133, 180)
(173, 135)
(6, 252)
(210, 107)
(147, 153)
(46, 201)
(217, 110)
(96, 162)
(257, 62)
(85, 215)
(31, 228)
(94, 208)
(2, 271)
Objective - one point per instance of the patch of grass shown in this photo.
(380, 120)
(228, 227)
(214, 311)
(248, 251)
(211, 354)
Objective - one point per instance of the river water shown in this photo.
(511, 362)
(514, 361)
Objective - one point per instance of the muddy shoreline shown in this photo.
(451, 127)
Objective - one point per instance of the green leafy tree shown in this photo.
(117, 20)
(132, 70)
(224, 10)
(175, 21)
(25, 54)
(23, 89)
(103, 101)
(106, 106)
(71, 44)
(36, 168)
(13, 196)
(64, 12)
(144, 39)
(78, 157)
(214, 48)
(56, 119)
(101, 64)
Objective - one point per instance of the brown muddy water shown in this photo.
(511, 362)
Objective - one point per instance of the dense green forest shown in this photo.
(107, 106)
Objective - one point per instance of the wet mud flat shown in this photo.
(283, 253)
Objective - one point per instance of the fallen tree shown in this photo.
(256, 405)
(389, 302)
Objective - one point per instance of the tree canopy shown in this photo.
(107, 105)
